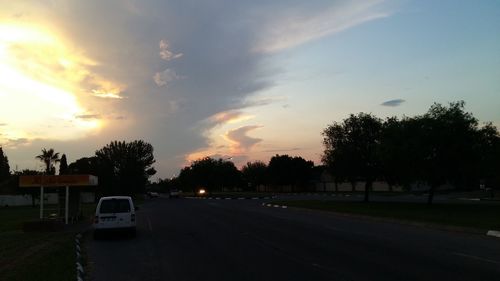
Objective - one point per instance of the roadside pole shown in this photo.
(41, 202)
(66, 205)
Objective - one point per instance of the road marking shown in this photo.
(475, 258)
(494, 233)
(149, 224)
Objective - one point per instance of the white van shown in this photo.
(115, 213)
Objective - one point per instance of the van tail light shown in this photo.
(132, 217)
(96, 219)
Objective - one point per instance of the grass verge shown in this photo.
(35, 255)
(478, 216)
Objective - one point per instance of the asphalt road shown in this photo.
(188, 239)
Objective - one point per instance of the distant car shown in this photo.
(115, 213)
(174, 193)
(153, 194)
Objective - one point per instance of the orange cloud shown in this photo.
(240, 142)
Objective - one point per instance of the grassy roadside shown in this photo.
(478, 216)
(36, 255)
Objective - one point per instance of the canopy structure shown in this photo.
(49, 181)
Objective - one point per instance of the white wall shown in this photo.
(25, 200)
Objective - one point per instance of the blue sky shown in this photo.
(234, 79)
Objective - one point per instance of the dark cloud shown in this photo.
(88, 116)
(393, 103)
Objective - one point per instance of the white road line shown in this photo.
(494, 233)
(475, 258)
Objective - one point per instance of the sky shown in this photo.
(239, 80)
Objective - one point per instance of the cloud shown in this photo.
(165, 53)
(262, 101)
(393, 103)
(292, 27)
(165, 77)
(283, 150)
(14, 143)
(229, 117)
(99, 94)
(3, 124)
(88, 116)
(240, 142)
(227, 47)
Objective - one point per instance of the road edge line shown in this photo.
(493, 233)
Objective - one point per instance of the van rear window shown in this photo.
(115, 206)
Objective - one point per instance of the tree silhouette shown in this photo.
(255, 173)
(4, 166)
(125, 167)
(352, 149)
(489, 146)
(448, 151)
(285, 170)
(63, 165)
(210, 174)
(49, 158)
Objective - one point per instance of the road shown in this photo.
(188, 239)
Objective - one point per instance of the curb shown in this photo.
(231, 198)
(274, 206)
(79, 268)
(494, 233)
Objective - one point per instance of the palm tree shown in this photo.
(49, 158)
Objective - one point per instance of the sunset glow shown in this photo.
(239, 80)
(39, 86)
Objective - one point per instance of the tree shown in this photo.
(125, 167)
(210, 174)
(285, 170)
(254, 173)
(63, 165)
(352, 149)
(442, 146)
(489, 150)
(448, 146)
(49, 158)
(85, 165)
(4, 166)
